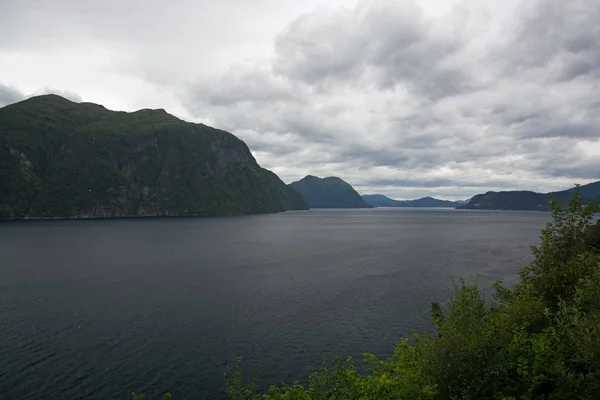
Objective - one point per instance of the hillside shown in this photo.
(379, 200)
(60, 159)
(526, 200)
(328, 192)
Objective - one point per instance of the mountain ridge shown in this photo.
(61, 159)
(529, 200)
(329, 192)
(379, 200)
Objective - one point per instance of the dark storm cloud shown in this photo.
(9, 95)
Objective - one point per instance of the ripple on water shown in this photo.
(98, 309)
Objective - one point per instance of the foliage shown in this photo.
(64, 159)
(331, 192)
(379, 200)
(525, 200)
(537, 340)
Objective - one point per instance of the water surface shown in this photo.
(100, 308)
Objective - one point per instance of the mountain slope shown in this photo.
(328, 192)
(526, 200)
(61, 159)
(379, 200)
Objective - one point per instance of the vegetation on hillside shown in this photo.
(379, 200)
(330, 192)
(64, 159)
(537, 340)
(526, 200)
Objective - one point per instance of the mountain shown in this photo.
(329, 192)
(526, 200)
(379, 200)
(60, 159)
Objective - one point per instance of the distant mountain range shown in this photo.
(379, 200)
(506, 200)
(526, 200)
(331, 192)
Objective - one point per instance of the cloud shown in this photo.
(67, 94)
(382, 43)
(9, 95)
(388, 97)
(558, 38)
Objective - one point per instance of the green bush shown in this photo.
(537, 340)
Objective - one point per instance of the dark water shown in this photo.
(98, 309)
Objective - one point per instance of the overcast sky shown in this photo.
(407, 98)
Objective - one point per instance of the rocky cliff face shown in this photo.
(60, 159)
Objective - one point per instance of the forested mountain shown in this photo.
(328, 192)
(379, 200)
(60, 159)
(526, 200)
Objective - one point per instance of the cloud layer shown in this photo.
(9, 95)
(390, 95)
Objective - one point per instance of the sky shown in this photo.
(408, 98)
